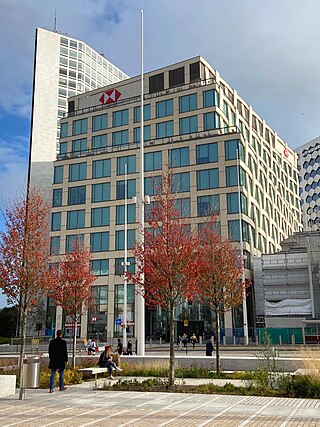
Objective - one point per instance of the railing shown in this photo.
(153, 142)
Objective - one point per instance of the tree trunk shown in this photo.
(217, 341)
(22, 347)
(74, 344)
(171, 365)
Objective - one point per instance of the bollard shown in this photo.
(293, 339)
(234, 340)
(150, 342)
(280, 339)
(160, 341)
(224, 340)
(212, 338)
(257, 339)
(200, 340)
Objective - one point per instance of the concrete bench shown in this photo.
(94, 371)
(7, 385)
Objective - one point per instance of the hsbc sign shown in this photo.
(109, 96)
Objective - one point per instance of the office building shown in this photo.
(195, 122)
(63, 67)
(309, 179)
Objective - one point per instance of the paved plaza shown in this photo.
(82, 406)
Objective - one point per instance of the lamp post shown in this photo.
(125, 257)
(309, 253)
(140, 300)
(244, 301)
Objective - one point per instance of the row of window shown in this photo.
(99, 242)
(121, 118)
(205, 153)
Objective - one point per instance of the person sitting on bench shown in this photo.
(105, 361)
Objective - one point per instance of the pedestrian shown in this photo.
(58, 356)
(193, 339)
(129, 348)
(184, 340)
(119, 348)
(209, 348)
(105, 361)
(94, 347)
(89, 346)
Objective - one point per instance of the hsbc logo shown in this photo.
(109, 96)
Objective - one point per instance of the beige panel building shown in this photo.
(195, 123)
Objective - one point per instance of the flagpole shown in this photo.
(244, 301)
(140, 300)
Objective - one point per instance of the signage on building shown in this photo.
(109, 96)
(286, 152)
(118, 321)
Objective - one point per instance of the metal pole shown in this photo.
(140, 300)
(125, 258)
(310, 276)
(244, 301)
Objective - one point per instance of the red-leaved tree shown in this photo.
(74, 292)
(166, 259)
(219, 283)
(25, 276)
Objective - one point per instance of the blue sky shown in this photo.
(267, 50)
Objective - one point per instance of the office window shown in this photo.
(210, 98)
(77, 195)
(101, 168)
(215, 227)
(183, 207)
(58, 175)
(71, 241)
(130, 161)
(55, 245)
(208, 178)
(120, 137)
(156, 83)
(188, 125)
(233, 203)
(99, 242)
(101, 192)
(187, 103)
(194, 72)
(164, 129)
(153, 161)
(131, 189)
(56, 221)
(234, 230)
(208, 205)
(180, 182)
(63, 148)
(79, 145)
(75, 219)
(120, 118)
(100, 267)
(207, 153)
(211, 121)
(100, 122)
(231, 148)
(152, 185)
(176, 77)
(100, 141)
(63, 130)
(79, 126)
(131, 214)
(119, 269)
(77, 171)
(100, 217)
(131, 239)
(137, 112)
(146, 133)
(164, 108)
(179, 157)
(232, 176)
(57, 197)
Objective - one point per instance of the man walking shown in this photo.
(58, 356)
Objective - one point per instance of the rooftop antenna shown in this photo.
(55, 20)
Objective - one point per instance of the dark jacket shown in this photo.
(104, 360)
(209, 348)
(119, 348)
(58, 353)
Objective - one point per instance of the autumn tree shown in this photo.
(166, 259)
(74, 293)
(25, 276)
(220, 285)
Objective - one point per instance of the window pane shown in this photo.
(56, 221)
(77, 195)
(57, 197)
(63, 130)
(131, 164)
(101, 168)
(164, 129)
(210, 98)
(55, 245)
(208, 205)
(208, 178)
(58, 175)
(207, 153)
(101, 192)
(100, 122)
(187, 103)
(179, 157)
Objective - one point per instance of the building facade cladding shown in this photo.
(195, 122)
(309, 179)
(63, 67)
